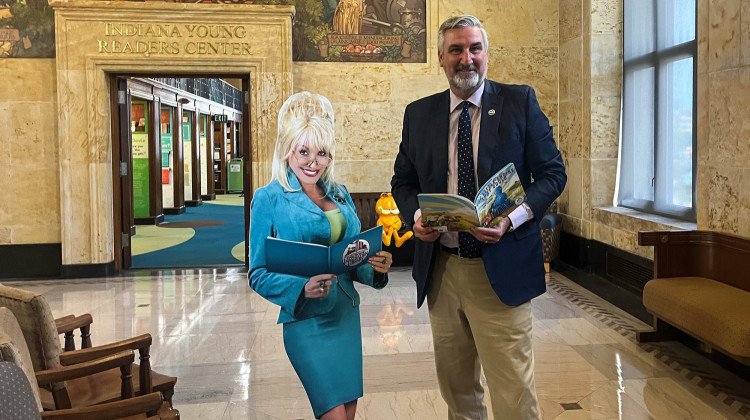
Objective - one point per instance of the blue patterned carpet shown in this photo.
(210, 246)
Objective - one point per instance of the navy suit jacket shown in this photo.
(513, 129)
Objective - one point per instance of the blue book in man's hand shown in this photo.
(307, 260)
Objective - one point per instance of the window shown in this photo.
(657, 162)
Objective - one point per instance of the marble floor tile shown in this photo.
(223, 343)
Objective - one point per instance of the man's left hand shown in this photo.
(491, 235)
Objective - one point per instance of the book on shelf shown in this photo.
(497, 198)
(308, 260)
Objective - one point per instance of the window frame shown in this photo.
(659, 60)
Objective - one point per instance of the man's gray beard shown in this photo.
(466, 83)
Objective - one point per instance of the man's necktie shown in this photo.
(468, 246)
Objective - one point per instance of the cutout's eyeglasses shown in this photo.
(304, 158)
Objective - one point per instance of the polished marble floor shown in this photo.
(222, 341)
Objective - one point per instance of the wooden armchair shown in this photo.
(41, 333)
(17, 378)
(68, 324)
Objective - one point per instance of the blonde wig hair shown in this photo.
(304, 119)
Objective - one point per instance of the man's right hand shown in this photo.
(426, 234)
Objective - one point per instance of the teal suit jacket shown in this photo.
(291, 215)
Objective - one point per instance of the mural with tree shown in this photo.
(27, 29)
(324, 30)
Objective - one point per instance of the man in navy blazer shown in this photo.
(479, 307)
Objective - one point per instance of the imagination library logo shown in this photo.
(170, 39)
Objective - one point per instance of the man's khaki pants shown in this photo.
(471, 326)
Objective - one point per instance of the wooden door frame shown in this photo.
(243, 143)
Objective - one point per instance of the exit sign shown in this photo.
(222, 118)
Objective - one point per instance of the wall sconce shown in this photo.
(184, 101)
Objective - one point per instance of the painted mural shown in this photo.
(27, 29)
(324, 30)
(360, 30)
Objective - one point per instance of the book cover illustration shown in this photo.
(307, 259)
(497, 198)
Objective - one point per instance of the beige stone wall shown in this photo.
(369, 99)
(723, 117)
(590, 94)
(590, 80)
(30, 195)
(525, 37)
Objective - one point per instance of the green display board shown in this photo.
(141, 203)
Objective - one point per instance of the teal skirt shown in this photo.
(326, 352)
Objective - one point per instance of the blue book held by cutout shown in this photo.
(307, 260)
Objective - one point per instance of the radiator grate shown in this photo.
(627, 271)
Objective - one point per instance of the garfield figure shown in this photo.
(388, 217)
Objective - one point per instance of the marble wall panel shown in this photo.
(743, 207)
(602, 233)
(606, 65)
(572, 225)
(6, 235)
(6, 142)
(29, 202)
(575, 187)
(724, 34)
(605, 127)
(571, 70)
(351, 83)
(39, 146)
(550, 109)
(729, 127)
(365, 175)
(603, 180)
(586, 180)
(6, 217)
(563, 201)
(369, 132)
(18, 77)
(536, 67)
(508, 22)
(702, 199)
(33, 204)
(625, 240)
(586, 229)
(571, 129)
(703, 122)
(606, 16)
(702, 36)
(724, 191)
(406, 88)
(546, 23)
(571, 17)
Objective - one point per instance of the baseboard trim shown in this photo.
(613, 264)
(193, 203)
(74, 271)
(30, 260)
(174, 210)
(151, 220)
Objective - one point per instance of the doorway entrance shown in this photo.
(98, 41)
(181, 170)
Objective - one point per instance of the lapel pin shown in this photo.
(491, 112)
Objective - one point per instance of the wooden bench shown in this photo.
(701, 286)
